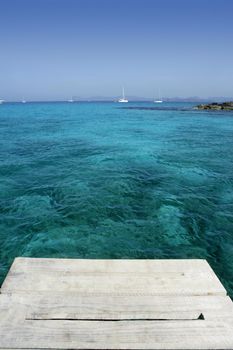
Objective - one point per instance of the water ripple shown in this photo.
(96, 181)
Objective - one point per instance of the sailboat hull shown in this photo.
(122, 100)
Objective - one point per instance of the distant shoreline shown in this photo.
(107, 101)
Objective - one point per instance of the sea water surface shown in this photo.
(98, 180)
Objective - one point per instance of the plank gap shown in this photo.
(200, 317)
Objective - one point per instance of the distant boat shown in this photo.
(123, 99)
(71, 100)
(159, 99)
(1, 101)
(23, 100)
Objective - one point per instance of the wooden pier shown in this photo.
(114, 304)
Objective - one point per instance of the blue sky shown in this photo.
(53, 49)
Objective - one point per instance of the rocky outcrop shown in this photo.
(217, 106)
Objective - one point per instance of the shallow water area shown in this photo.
(94, 180)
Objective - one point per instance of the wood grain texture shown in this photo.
(114, 277)
(114, 304)
(73, 307)
(117, 335)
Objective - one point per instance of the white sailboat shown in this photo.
(123, 99)
(23, 100)
(71, 100)
(159, 99)
(1, 101)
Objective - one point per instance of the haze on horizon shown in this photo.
(55, 49)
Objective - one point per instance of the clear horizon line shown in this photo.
(113, 99)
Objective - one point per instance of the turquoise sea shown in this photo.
(104, 180)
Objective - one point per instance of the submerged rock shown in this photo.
(217, 106)
(169, 219)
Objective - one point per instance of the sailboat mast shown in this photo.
(123, 92)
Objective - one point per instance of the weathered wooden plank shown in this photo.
(114, 304)
(113, 265)
(114, 277)
(71, 306)
(117, 335)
